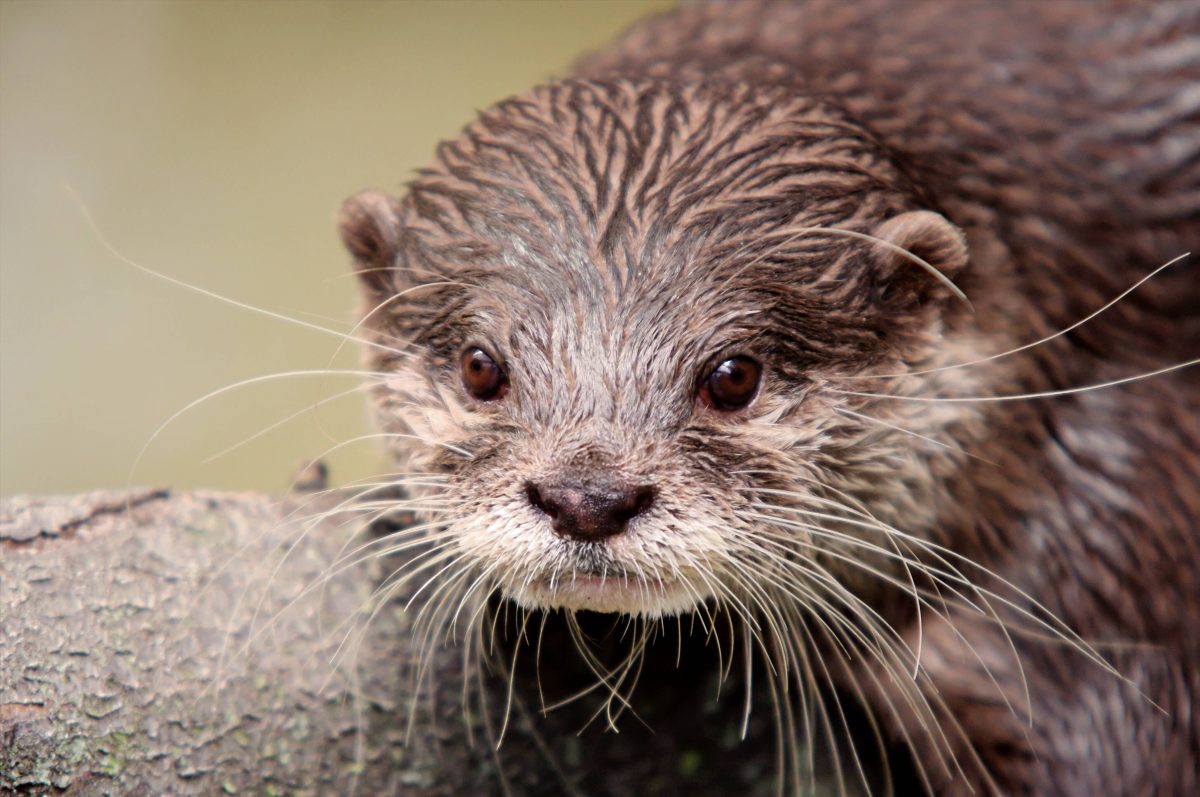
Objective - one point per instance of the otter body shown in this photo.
(683, 335)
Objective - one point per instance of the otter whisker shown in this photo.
(798, 232)
(512, 678)
(281, 525)
(414, 536)
(921, 595)
(906, 564)
(915, 700)
(252, 638)
(1063, 631)
(714, 587)
(537, 662)
(726, 596)
(485, 716)
(256, 380)
(761, 601)
(484, 576)
(1025, 396)
(282, 422)
(359, 488)
(787, 743)
(631, 673)
(748, 670)
(864, 611)
(1036, 343)
(894, 535)
(812, 599)
(604, 676)
(919, 709)
(352, 334)
(392, 436)
(808, 597)
(429, 629)
(780, 558)
(891, 580)
(399, 579)
(427, 507)
(309, 526)
(615, 678)
(112, 249)
(629, 670)
(358, 629)
(931, 269)
(910, 433)
(824, 713)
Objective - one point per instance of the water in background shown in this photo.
(213, 141)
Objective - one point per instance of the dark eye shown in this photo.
(481, 376)
(732, 384)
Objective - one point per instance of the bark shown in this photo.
(160, 643)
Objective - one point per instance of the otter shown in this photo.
(817, 319)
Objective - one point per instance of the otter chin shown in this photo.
(831, 320)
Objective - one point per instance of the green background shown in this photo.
(213, 142)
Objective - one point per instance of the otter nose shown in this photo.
(588, 511)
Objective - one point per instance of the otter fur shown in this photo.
(771, 312)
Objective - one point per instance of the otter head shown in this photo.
(613, 323)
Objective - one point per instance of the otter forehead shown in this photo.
(602, 185)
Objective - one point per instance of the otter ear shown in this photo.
(370, 226)
(920, 253)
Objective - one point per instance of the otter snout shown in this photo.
(588, 510)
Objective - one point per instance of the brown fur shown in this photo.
(612, 236)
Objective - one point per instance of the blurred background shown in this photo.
(213, 142)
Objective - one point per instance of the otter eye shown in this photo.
(481, 376)
(732, 384)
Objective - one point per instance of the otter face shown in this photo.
(610, 321)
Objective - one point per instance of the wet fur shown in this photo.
(686, 196)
